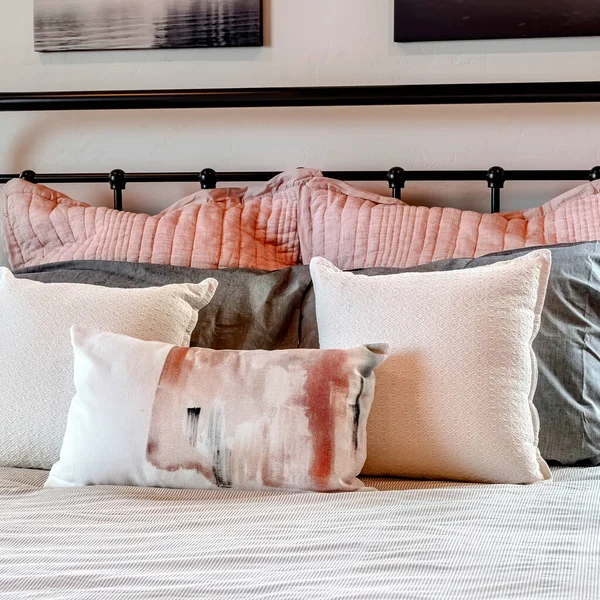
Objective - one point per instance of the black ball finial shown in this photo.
(396, 177)
(595, 174)
(28, 176)
(117, 179)
(495, 177)
(208, 179)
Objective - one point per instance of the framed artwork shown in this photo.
(436, 20)
(64, 25)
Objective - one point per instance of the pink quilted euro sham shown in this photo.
(294, 217)
(211, 229)
(356, 229)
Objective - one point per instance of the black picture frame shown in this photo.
(96, 25)
(449, 20)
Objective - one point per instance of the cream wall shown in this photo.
(308, 42)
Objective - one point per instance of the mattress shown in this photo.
(412, 540)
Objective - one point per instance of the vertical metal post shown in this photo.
(495, 178)
(495, 200)
(117, 182)
(397, 179)
(208, 179)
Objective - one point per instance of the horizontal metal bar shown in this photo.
(567, 175)
(243, 176)
(523, 175)
(468, 93)
(266, 175)
(62, 178)
(445, 175)
(237, 177)
(103, 177)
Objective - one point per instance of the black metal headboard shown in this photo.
(488, 93)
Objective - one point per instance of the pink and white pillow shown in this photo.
(152, 414)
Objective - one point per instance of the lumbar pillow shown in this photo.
(454, 400)
(154, 414)
(36, 358)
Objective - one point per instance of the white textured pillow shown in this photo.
(454, 399)
(36, 357)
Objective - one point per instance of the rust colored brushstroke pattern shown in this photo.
(292, 419)
(169, 446)
(326, 379)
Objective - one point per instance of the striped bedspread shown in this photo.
(412, 541)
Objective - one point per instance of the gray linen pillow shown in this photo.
(567, 347)
(251, 309)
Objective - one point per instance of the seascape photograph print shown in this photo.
(443, 20)
(68, 25)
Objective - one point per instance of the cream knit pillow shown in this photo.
(453, 401)
(36, 357)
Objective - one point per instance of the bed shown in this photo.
(400, 539)
(409, 540)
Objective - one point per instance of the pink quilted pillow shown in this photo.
(212, 229)
(356, 229)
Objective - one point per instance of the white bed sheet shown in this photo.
(419, 541)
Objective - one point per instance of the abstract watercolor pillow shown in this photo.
(153, 414)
